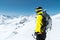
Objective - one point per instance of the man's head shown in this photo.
(39, 10)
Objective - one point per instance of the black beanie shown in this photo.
(39, 8)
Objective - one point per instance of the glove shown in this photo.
(37, 33)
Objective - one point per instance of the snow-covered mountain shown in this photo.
(22, 28)
(10, 25)
(3, 18)
(55, 32)
(56, 16)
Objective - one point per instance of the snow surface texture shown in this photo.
(22, 28)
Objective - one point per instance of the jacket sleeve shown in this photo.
(38, 23)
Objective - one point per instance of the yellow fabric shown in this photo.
(38, 23)
(39, 12)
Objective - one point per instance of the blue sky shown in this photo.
(27, 7)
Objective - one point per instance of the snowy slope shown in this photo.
(22, 28)
(55, 32)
